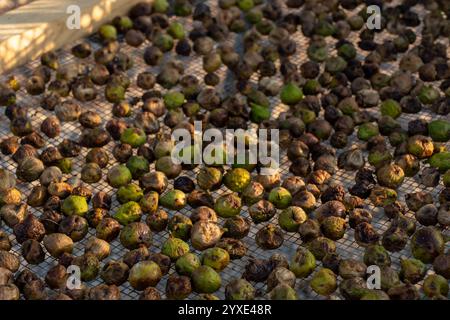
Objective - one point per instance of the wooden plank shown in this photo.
(30, 30)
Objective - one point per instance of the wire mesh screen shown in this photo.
(346, 247)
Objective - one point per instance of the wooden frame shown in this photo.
(30, 30)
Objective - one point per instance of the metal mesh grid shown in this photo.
(346, 247)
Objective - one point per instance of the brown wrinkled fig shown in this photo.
(257, 270)
(6, 277)
(150, 293)
(9, 261)
(269, 237)
(13, 214)
(32, 251)
(9, 292)
(134, 256)
(162, 261)
(57, 277)
(235, 248)
(104, 292)
(178, 287)
(280, 275)
(366, 234)
(115, 272)
(205, 234)
(29, 228)
(5, 243)
(237, 227)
